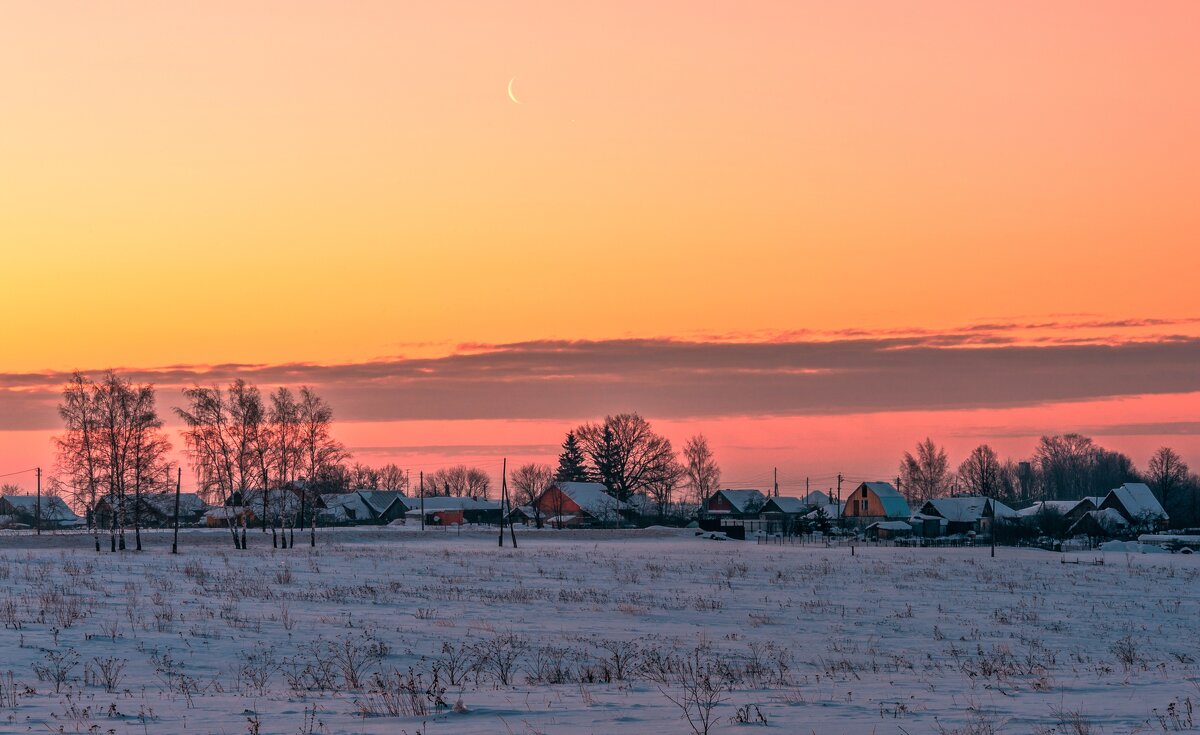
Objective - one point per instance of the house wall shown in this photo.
(718, 503)
(555, 502)
(854, 504)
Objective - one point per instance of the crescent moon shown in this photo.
(512, 96)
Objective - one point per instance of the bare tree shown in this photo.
(79, 457)
(391, 477)
(980, 472)
(1065, 462)
(460, 481)
(285, 457)
(627, 455)
(926, 474)
(528, 482)
(320, 451)
(1167, 473)
(703, 475)
(213, 447)
(364, 477)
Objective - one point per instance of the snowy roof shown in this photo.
(1138, 500)
(891, 525)
(1110, 519)
(742, 500)
(381, 500)
(894, 504)
(53, 507)
(349, 505)
(968, 508)
(785, 504)
(189, 503)
(1062, 507)
(833, 510)
(591, 497)
(816, 497)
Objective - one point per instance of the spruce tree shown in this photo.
(608, 464)
(572, 467)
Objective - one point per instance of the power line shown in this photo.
(20, 472)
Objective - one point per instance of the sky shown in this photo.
(816, 232)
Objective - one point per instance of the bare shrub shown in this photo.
(105, 672)
(694, 684)
(57, 667)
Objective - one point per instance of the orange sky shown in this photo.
(199, 183)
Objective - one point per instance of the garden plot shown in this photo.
(390, 631)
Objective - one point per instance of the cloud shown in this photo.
(666, 378)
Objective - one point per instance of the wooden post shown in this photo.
(422, 500)
(178, 483)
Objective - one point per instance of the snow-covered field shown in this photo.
(590, 632)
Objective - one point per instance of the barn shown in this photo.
(875, 501)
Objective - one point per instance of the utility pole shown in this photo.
(422, 476)
(901, 489)
(178, 483)
(37, 515)
(993, 527)
(776, 482)
(841, 505)
(503, 497)
(807, 493)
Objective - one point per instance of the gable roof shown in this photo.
(591, 497)
(816, 497)
(784, 504)
(894, 504)
(1138, 501)
(965, 508)
(381, 501)
(164, 503)
(1062, 507)
(54, 508)
(350, 505)
(742, 500)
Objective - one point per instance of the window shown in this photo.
(864, 492)
(864, 506)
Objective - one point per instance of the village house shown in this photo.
(780, 513)
(385, 506)
(157, 510)
(730, 503)
(962, 514)
(875, 501)
(24, 510)
(573, 504)
(1136, 503)
(449, 510)
(1100, 524)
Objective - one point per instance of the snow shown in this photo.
(888, 641)
(965, 508)
(1138, 501)
(1062, 507)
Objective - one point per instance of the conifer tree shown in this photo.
(572, 466)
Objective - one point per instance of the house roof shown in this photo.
(742, 500)
(348, 505)
(1138, 500)
(53, 507)
(1062, 507)
(894, 504)
(785, 504)
(382, 500)
(833, 510)
(591, 497)
(816, 497)
(1109, 519)
(965, 509)
(164, 503)
(891, 525)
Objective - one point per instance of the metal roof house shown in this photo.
(875, 501)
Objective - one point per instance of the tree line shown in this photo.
(1061, 467)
